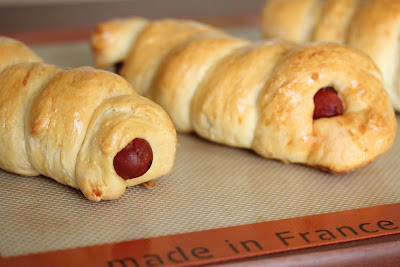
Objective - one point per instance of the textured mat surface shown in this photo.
(212, 186)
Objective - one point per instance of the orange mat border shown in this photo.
(228, 244)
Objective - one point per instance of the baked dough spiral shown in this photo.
(372, 26)
(70, 125)
(257, 96)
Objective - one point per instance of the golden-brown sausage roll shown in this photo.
(83, 127)
(322, 105)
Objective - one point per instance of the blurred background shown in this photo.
(59, 30)
(36, 21)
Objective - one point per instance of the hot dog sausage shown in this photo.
(134, 160)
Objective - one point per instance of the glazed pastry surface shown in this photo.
(372, 26)
(69, 125)
(320, 104)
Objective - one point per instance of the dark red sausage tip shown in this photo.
(134, 160)
(118, 67)
(327, 103)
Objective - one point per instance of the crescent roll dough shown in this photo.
(254, 95)
(372, 26)
(70, 125)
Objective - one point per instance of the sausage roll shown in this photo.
(319, 104)
(83, 127)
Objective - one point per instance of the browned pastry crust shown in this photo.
(372, 26)
(69, 125)
(254, 95)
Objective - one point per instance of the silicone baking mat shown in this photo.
(212, 186)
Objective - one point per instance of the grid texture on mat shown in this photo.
(212, 186)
